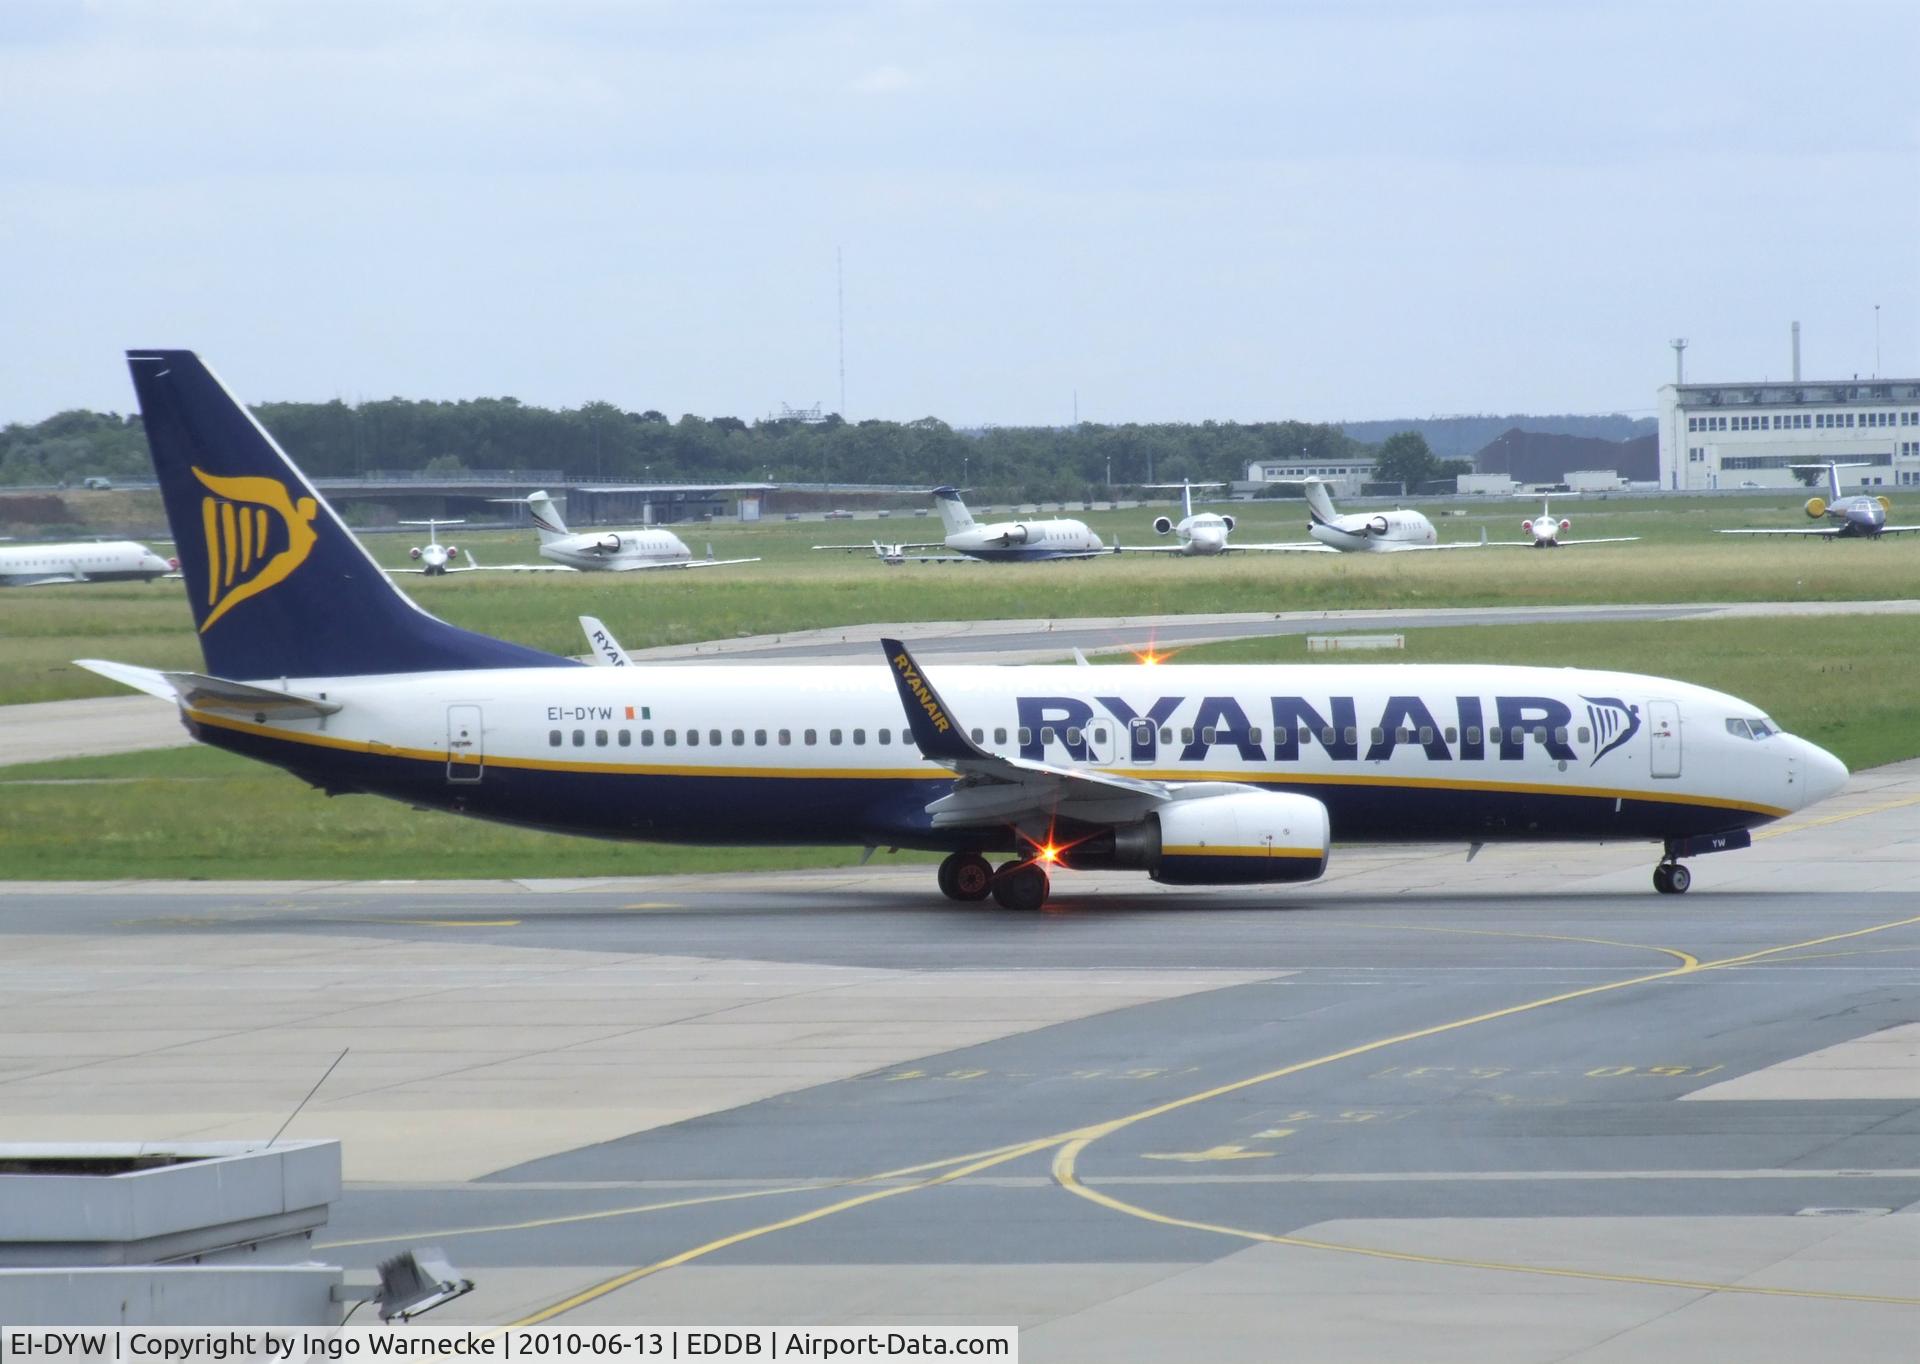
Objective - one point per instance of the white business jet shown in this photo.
(1195, 775)
(1364, 532)
(81, 561)
(1200, 534)
(1543, 532)
(436, 560)
(616, 551)
(1061, 537)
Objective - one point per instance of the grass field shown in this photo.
(1845, 683)
(41, 629)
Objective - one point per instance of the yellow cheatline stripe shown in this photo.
(1063, 1173)
(1077, 1141)
(1453, 784)
(924, 771)
(607, 1286)
(1236, 850)
(607, 1214)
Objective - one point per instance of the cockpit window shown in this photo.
(1738, 728)
(1752, 727)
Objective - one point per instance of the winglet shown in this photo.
(935, 729)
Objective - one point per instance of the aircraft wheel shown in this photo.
(1020, 885)
(966, 877)
(1678, 879)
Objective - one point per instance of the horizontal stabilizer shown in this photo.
(197, 691)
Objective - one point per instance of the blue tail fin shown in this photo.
(279, 587)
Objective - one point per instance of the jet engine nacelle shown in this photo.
(1526, 527)
(1243, 838)
(1377, 526)
(609, 543)
(1886, 503)
(1566, 525)
(1816, 507)
(1228, 520)
(1161, 525)
(452, 552)
(414, 553)
(1017, 534)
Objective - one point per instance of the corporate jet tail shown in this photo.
(953, 512)
(1833, 468)
(1318, 502)
(279, 587)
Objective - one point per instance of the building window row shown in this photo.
(1805, 421)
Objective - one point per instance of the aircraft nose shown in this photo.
(1822, 774)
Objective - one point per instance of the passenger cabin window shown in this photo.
(1026, 735)
(693, 738)
(760, 738)
(599, 738)
(579, 738)
(1519, 735)
(786, 737)
(1074, 736)
(626, 738)
(1583, 734)
(1453, 735)
(1046, 734)
(667, 737)
(833, 737)
(1426, 734)
(1353, 735)
(1379, 735)
(1166, 734)
(553, 737)
(713, 737)
(1473, 734)
(1560, 734)
(999, 734)
(977, 736)
(1206, 734)
(739, 738)
(1327, 736)
(646, 738)
(812, 736)
(1100, 734)
(859, 736)
(1186, 734)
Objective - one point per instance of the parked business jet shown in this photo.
(616, 551)
(1849, 518)
(436, 559)
(1543, 532)
(1200, 534)
(1054, 538)
(1364, 532)
(82, 561)
(1205, 775)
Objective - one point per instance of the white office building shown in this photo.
(1344, 476)
(1746, 435)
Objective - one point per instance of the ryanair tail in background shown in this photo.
(279, 587)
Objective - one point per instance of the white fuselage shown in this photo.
(1375, 532)
(616, 550)
(80, 562)
(784, 754)
(1049, 539)
(1203, 533)
(1545, 530)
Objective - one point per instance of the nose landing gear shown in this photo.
(1670, 878)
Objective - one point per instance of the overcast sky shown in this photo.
(1181, 211)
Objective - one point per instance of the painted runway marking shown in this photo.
(1069, 1146)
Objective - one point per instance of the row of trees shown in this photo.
(602, 441)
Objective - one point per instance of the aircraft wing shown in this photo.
(1285, 547)
(680, 563)
(1827, 531)
(995, 789)
(1528, 544)
(1150, 549)
(868, 546)
(41, 579)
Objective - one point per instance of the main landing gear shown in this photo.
(1670, 878)
(967, 877)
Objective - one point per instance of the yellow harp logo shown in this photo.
(240, 521)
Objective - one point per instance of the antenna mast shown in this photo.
(840, 305)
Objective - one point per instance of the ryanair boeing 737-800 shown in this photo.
(318, 664)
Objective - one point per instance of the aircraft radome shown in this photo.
(317, 663)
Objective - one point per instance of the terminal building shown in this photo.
(1746, 435)
(1346, 476)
